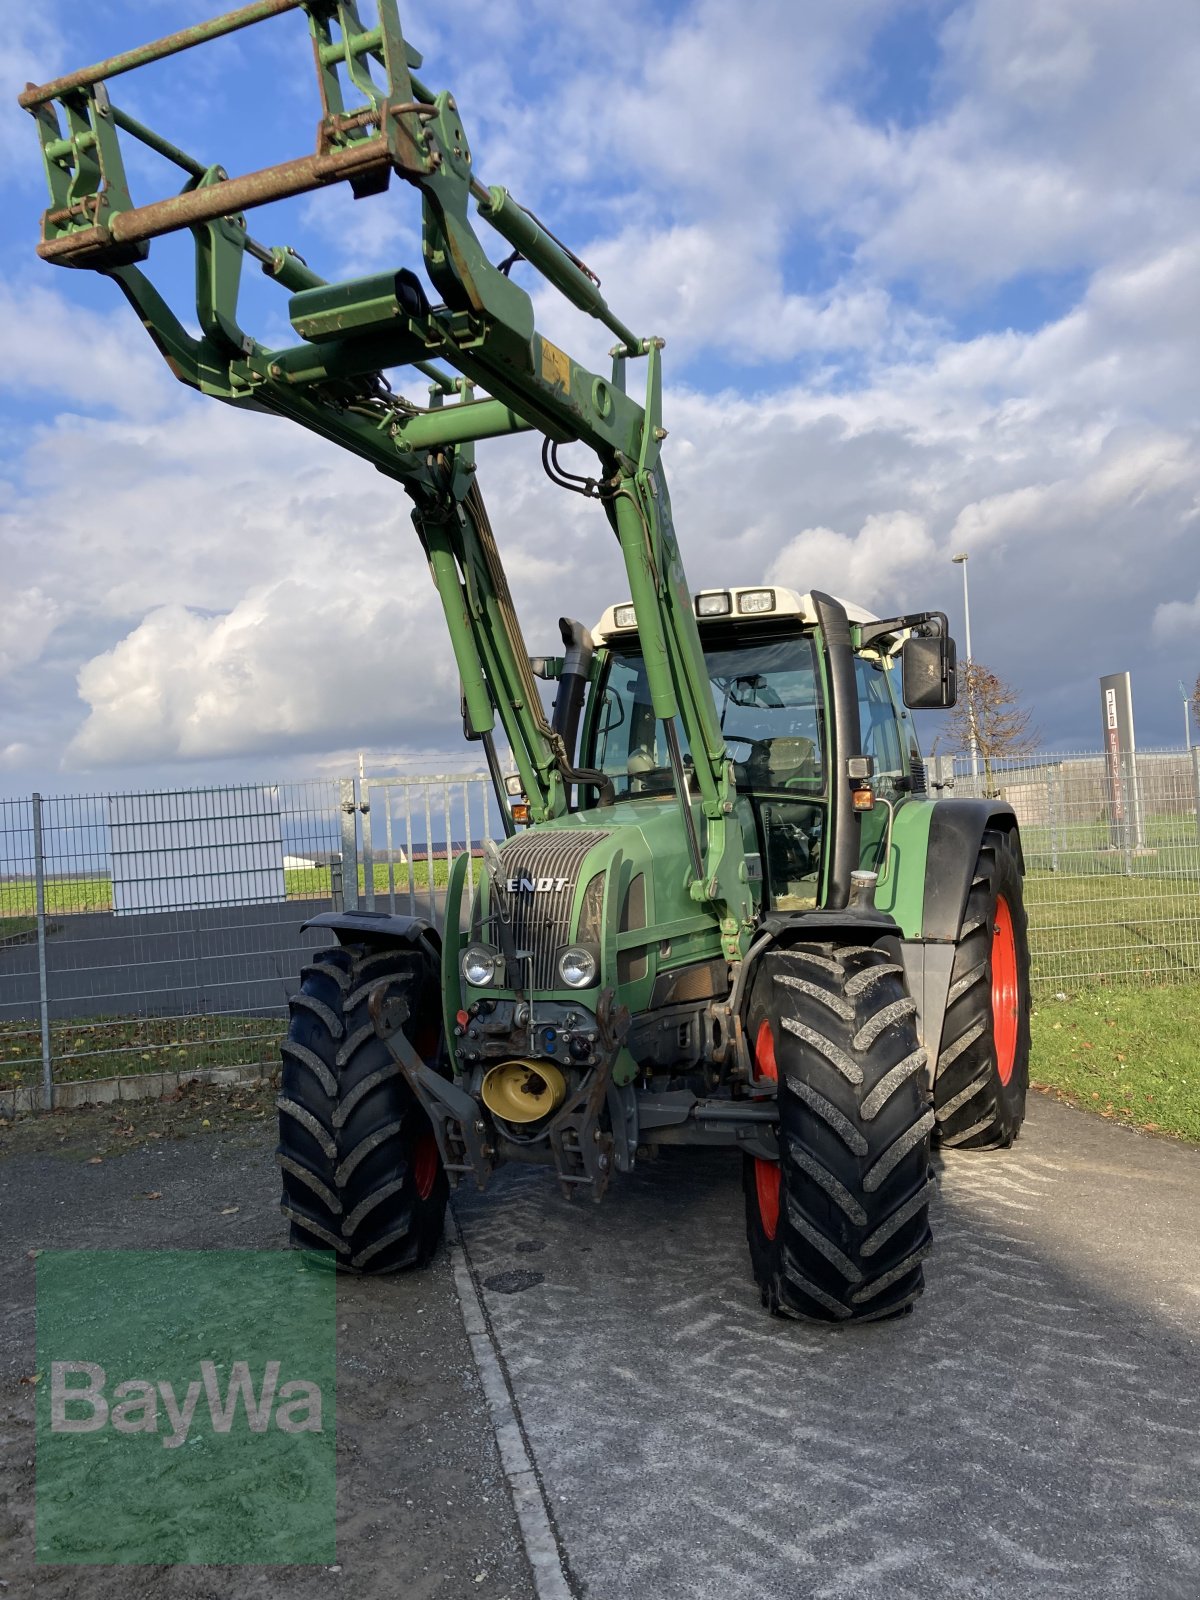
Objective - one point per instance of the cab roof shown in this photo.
(742, 605)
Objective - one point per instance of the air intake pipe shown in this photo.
(572, 681)
(577, 663)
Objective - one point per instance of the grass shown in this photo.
(111, 1047)
(1127, 1053)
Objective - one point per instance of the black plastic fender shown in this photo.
(956, 832)
(850, 924)
(381, 927)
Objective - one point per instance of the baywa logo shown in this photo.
(188, 1407)
(135, 1403)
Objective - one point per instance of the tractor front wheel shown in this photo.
(362, 1176)
(839, 1226)
(983, 1064)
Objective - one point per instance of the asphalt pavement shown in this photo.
(1032, 1430)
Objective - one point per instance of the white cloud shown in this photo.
(688, 283)
(303, 661)
(865, 567)
(27, 619)
(54, 346)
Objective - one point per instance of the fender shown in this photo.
(380, 927)
(850, 925)
(956, 831)
(943, 838)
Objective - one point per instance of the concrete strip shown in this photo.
(131, 1086)
(529, 1500)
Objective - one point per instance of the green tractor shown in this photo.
(726, 909)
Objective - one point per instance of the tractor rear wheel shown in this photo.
(361, 1171)
(839, 1226)
(983, 1064)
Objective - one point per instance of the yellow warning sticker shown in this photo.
(556, 365)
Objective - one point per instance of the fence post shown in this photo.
(1052, 807)
(368, 844)
(39, 879)
(349, 813)
(1196, 784)
(1127, 825)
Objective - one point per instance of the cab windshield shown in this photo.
(767, 695)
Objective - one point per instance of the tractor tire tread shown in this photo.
(975, 1109)
(852, 1231)
(350, 1127)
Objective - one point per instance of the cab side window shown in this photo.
(881, 737)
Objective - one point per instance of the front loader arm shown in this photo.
(351, 333)
(360, 416)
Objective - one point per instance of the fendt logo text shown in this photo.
(535, 885)
(133, 1406)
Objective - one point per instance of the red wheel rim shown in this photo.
(1005, 990)
(425, 1165)
(766, 1173)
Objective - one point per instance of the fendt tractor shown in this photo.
(726, 909)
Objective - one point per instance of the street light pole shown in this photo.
(961, 561)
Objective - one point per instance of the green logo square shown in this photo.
(185, 1411)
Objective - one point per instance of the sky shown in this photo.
(929, 278)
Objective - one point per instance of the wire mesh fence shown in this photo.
(1112, 863)
(149, 936)
(154, 933)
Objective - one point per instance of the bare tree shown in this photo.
(1196, 701)
(989, 715)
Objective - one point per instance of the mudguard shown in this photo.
(956, 830)
(952, 843)
(382, 927)
(857, 925)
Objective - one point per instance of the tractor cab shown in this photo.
(764, 664)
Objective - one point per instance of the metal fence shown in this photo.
(144, 937)
(1112, 859)
(147, 936)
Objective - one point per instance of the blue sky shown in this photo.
(929, 275)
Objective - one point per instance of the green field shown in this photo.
(1125, 1053)
(18, 896)
(1084, 847)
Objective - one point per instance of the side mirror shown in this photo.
(930, 673)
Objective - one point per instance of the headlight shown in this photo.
(480, 964)
(577, 967)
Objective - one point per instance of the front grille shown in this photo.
(541, 919)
